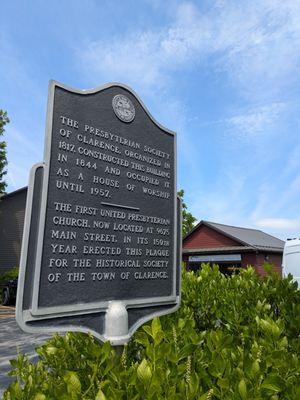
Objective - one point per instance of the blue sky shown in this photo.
(225, 75)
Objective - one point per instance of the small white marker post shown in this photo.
(116, 325)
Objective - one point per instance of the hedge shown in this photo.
(232, 338)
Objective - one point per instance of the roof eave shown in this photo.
(15, 192)
(218, 250)
(233, 249)
(207, 223)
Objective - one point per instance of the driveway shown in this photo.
(11, 338)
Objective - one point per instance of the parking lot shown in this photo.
(12, 340)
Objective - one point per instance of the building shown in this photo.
(12, 212)
(228, 246)
(231, 248)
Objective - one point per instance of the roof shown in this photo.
(254, 238)
(11, 194)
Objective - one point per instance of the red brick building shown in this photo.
(231, 248)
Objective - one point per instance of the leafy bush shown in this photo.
(10, 274)
(7, 276)
(233, 338)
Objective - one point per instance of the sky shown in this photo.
(224, 75)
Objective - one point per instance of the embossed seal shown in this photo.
(123, 108)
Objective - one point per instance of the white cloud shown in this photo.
(255, 121)
(282, 224)
(261, 44)
(133, 59)
(257, 43)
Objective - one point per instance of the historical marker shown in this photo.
(101, 244)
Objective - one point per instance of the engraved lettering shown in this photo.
(101, 250)
(76, 276)
(62, 145)
(106, 276)
(112, 170)
(150, 275)
(117, 263)
(101, 224)
(79, 209)
(156, 152)
(64, 249)
(82, 262)
(128, 228)
(69, 221)
(65, 207)
(62, 157)
(155, 264)
(54, 277)
(66, 133)
(58, 262)
(130, 251)
(69, 122)
(142, 178)
(106, 181)
(155, 192)
(69, 186)
(142, 240)
(80, 162)
(100, 237)
(63, 172)
(127, 239)
(157, 252)
(65, 235)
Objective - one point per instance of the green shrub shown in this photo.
(233, 338)
(10, 274)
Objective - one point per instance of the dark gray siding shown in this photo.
(12, 211)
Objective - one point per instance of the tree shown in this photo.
(3, 160)
(187, 218)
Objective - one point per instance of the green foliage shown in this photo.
(3, 161)
(7, 276)
(188, 219)
(233, 338)
(10, 274)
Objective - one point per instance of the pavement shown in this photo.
(12, 341)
